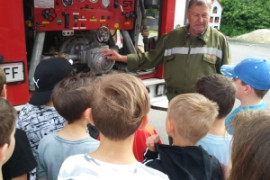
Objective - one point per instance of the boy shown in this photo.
(140, 137)
(7, 130)
(72, 99)
(250, 148)
(121, 105)
(219, 89)
(3, 84)
(39, 118)
(22, 160)
(189, 118)
(252, 79)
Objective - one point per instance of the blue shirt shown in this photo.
(218, 146)
(230, 117)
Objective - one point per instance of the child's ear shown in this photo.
(3, 150)
(144, 122)
(4, 92)
(87, 114)
(170, 127)
(248, 89)
(91, 120)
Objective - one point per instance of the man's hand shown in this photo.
(113, 55)
(151, 141)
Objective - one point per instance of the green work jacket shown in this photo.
(186, 58)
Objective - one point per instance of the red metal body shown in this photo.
(166, 25)
(13, 46)
(80, 17)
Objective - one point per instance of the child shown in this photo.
(121, 105)
(220, 89)
(72, 99)
(252, 79)
(190, 116)
(39, 118)
(3, 84)
(7, 130)
(250, 148)
(139, 143)
(22, 160)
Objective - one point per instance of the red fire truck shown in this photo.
(34, 30)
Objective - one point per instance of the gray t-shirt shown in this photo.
(53, 150)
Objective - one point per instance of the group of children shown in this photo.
(117, 104)
(19, 160)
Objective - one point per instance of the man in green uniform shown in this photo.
(188, 53)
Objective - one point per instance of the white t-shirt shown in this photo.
(84, 167)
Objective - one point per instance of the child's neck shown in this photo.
(219, 128)
(50, 103)
(74, 131)
(250, 101)
(180, 141)
(1, 175)
(115, 152)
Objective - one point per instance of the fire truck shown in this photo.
(35, 30)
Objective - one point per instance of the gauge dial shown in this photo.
(106, 3)
(67, 3)
(103, 34)
(93, 1)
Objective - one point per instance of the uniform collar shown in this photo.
(204, 36)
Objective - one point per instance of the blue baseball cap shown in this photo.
(254, 71)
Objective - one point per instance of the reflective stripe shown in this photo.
(197, 50)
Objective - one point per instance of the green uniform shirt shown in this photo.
(186, 58)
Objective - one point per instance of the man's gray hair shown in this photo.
(200, 2)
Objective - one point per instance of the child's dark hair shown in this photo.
(219, 89)
(72, 96)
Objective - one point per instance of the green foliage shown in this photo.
(242, 16)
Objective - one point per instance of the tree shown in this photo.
(242, 16)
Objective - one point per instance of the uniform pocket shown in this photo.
(210, 58)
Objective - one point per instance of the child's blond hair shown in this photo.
(72, 96)
(3, 79)
(8, 117)
(194, 115)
